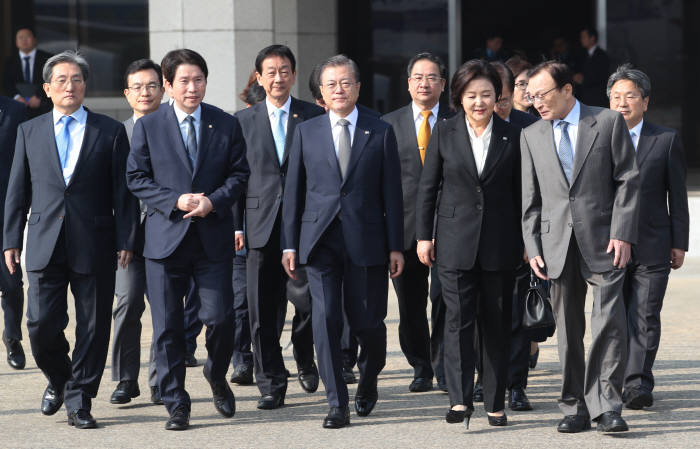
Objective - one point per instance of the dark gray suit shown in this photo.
(570, 225)
(663, 224)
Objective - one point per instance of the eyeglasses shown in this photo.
(522, 85)
(150, 87)
(628, 97)
(332, 85)
(432, 79)
(61, 82)
(539, 97)
(503, 102)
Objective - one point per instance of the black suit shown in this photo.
(477, 249)
(74, 233)
(412, 286)
(266, 279)
(14, 74)
(595, 69)
(663, 224)
(12, 114)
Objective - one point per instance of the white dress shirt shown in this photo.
(480, 145)
(182, 115)
(32, 58)
(636, 132)
(572, 118)
(592, 50)
(336, 128)
(272, 113)
(418, 117)
(77, 132)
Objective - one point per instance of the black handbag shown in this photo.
(538, 318)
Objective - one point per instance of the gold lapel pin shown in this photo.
(296, 116)
(366, 132)
(505, 138)
(211, 126)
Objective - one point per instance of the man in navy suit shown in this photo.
(69, 167)
(342, 217)
(187, 163)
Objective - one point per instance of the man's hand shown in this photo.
(239, 242)
(677, 257)
(202, 209)
(426, 252)
(623, 252)
(125, 257)
(34, 102)
(537, 265)
(188, 201)
(396, 263)
(289, 262)
(525, 258)
(12, 258)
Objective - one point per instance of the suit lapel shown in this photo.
(296, 116)
(459, 141)
(549, 148)
(89, 140)
(175, 136)
(584, 142)
(497, 146)
(326, 144)
(205, 131)
(362, 134)
(262, 122)
(646, 142)
(52, 148)
(407, 127)
(2, 114)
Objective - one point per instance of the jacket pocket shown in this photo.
(252, 202)
(33, 219)
(446, 211)
(310, 216)
(544, 227)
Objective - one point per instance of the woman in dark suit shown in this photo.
(474, 158)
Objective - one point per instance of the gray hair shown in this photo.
(69, 56)
(626, 72)
(339, 60)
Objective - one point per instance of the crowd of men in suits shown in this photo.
(456, 204)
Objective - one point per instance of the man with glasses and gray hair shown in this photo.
(663, 228)
(82, 223)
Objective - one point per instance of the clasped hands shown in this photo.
(195, 204)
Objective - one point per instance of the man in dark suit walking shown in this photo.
(22, 78)
(268, 128)
(187, 163)
(593, 70)
(11, 115)
(413, 124)
(663, 229)
(342, 217)
(69, 167)
(580, 218)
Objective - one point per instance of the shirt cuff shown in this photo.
(289, 251)
(17, 97)
(239, 232)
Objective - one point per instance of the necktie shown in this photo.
(27, 71)
(344, 146)
(424, 135)
(566, 154)
(633, 135)
(279, 134)
(63, 141)
(191, 140)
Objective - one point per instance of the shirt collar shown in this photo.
(31, 54)
(417, 110)
(486, 133)
(637, 130)
(572, 118)
(592, 50)
(182, 115)
(351, 117)
(134, 118)
(272, 109)
(80, 115)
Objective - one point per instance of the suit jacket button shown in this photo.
(571, 198)
(343, 193)
(478, 207)
(570, 225)
(478, 190)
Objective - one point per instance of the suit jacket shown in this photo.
(95, 209)
(266, 182)
(12, 114)
(478, 218)
(368, 200)
(159, 171)
(521, 119)
(14, 74)
(602, 201)
(411, 167)
(141, 230)
(663, 212)
(595, 69)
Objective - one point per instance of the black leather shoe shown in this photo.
(364, 403)
(155, 396)
(271, 401)
(52, 400)
(498, 421)
(308, 378)
(125, 391)
(458, 416)
(518, 401)
(224, 400)
(574, 424)
(242, 375)
(637, 399)
(337, 417)
(533, 359)
(190, 360)
(420, 384)
(478, 395)
(349, 375)
(15, 353)
(611, 422)
(81, 419)
(179, 419)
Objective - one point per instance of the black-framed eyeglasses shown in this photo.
(539, 97)
(522, 85)
(150, 87)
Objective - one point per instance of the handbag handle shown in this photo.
(533, 279)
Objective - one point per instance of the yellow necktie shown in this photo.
(424, 135)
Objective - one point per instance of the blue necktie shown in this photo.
(63, 141)
(279, 134)
(27, 72)
(191, 140)
(566, 154)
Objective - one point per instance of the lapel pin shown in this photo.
(296, 116)
(505, 138)
(366, 132)
(211, 126)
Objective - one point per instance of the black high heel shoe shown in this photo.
(498, 421)
(458, 416)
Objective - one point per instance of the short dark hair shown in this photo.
(25, 27)
(139, 65)
(468, 72)
(315, 82)
(275, 50)
(560, 72)
(337, 61)
(627, 72)
(175, 58)
(591, 32)
(506, 75)
(435, 59)
(517, 65)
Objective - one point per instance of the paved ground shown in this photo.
(401, 419)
